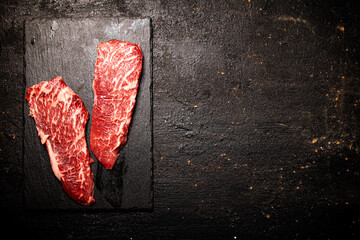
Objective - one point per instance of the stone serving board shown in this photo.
(68, 48)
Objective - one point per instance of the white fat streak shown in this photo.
(112, 53)
(110, 56)
(129, 51)
(117, 64)
(128, 73)
(43, 137)
(54, 163)
(44, 89)
(131, 58)
(132, 99)
(63, 96)
(124, 59)
(124, 121)
(131, 85)
(73, 117)
(119, 137)
(41, 134)
(76, 140)
(81, 178)
(123, 80)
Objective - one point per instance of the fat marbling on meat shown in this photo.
(60, 118)
(116, 81)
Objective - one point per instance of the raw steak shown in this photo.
(116, 80)
(60, 117)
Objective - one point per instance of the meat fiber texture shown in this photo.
(116, 81)
(60, 117)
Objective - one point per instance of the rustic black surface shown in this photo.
(256, 121)
(68, 48)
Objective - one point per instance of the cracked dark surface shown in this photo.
(256, 121)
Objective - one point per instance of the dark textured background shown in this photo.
(256, 121)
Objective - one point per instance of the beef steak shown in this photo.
(116, 80)
(60, 117)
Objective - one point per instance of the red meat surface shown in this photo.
(60, 117)
(116, 81)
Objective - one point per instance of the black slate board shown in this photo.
(68, 48)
